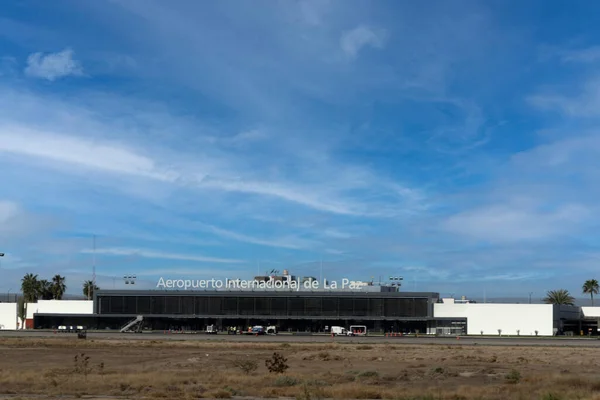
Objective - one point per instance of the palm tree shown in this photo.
(58, 287)
(44, 290)
(22, 311)
(560, 296)
(89, 288)
(592, 287)
(30, 288)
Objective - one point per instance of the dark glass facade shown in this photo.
(274, 305)
(289, 311)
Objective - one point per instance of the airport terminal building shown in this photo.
(382, 308)
(302, 311)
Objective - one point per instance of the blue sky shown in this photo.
(455, 144)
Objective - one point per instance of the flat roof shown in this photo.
(264, 293)
(260, 317)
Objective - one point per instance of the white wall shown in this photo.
(590, 312)
(509, 317)
(8, 316)
(60, 307)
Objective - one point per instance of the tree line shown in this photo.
(563, 297)
(35, 289)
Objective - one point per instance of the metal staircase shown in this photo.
(137, 323)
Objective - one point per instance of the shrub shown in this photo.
(304, 395)
(247, 366)
(551, 396)
(277, 364)
(81, 364)
(513, 376)
(438, 370)
(368, 374)
(285, 381)
(219, 394)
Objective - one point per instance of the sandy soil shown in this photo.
(38, 368)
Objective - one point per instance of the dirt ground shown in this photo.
(47, 368)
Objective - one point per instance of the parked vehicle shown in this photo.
(211, 330)
(338, 331)
(359, 330)
(271, 330)
(258, 330)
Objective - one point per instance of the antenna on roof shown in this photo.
(94, 263)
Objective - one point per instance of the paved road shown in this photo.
(472, 340)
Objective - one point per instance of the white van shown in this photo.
(271, 330)
(338, 330)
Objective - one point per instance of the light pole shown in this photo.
(530, 293)
(129, 279)
(2, 255)
(396, 282)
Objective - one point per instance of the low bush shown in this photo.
(246, 365)
(513, 376)
(285, 381)
(277, 364)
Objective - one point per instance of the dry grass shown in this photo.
(199, 369)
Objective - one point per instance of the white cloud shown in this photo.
(587, 55)
(205, 273)
(420, 270)
(313, 11)
(585, 103)
(123, 251)
(579, 153)
(353, 41)
(8, 210)
(93, 135)
(16, 222)
(112, 158)
(505, 277)
(284, 242)
(53, 66)
(77, 151)
(7, 65)
(289, 192)
(248, 136)
(337, 234)
(511, 223)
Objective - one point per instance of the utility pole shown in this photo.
(530, 293)
(321, 277)
(94, 263)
